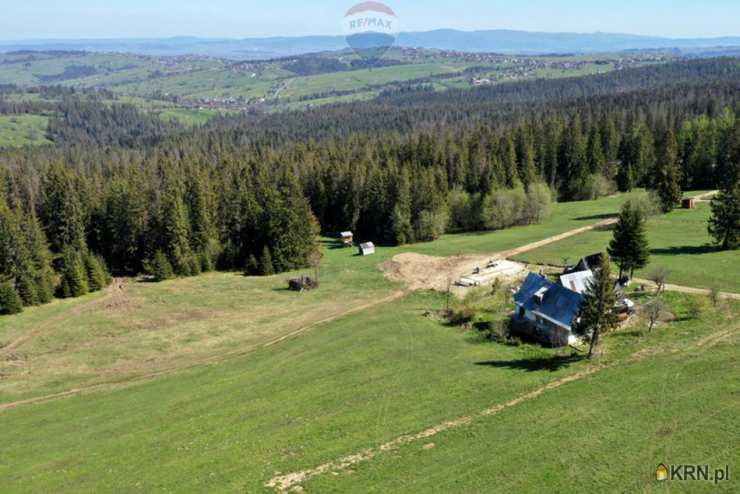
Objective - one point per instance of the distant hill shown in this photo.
(499, 41)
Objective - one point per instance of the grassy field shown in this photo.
(679, 241)
(23, 130)
(363, 380)
(139, 328)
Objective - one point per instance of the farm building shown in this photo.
(367, 249)
(578, 282)
(689, 203)
(548, 310)
(588, 263)
(348, 239)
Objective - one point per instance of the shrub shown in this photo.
(253, 267)
(646, 202)
(10, 301)
(596, 186)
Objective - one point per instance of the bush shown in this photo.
(430, 225)
(647, 202)
(539, 203)
(596, 186)
(10, 301)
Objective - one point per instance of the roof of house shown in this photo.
(346, 234)
(367, 245)
(588, 263)
(558, 304)
(578, 282)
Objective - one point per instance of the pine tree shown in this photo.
(266, 267)
(629, 247)
(724, 224)
(96, 275)
(401, 228)
(62, 210)
(597, 313)
(668, 174)
(175, 229)
(10, 301)
(73, 277)
(160, 267)
(253, 267)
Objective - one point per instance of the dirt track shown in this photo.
(687, 289)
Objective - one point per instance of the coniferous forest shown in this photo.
(121, 192)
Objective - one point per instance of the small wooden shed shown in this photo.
(348, 239)
(367, 249)
(689, 203)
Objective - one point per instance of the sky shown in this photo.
(75, 19)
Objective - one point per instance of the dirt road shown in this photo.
(687, 289)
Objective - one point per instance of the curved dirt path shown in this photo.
(687, 289)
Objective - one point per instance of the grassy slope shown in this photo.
(365, 379)
(23, 130)
(150, 327)
(679, 241)
(605, 433)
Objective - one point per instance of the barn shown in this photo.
(367, 249)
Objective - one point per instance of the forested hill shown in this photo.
(419, 107)
(251, 193)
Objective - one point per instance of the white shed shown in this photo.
(367, 249)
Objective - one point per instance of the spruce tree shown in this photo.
(10, 301)
(724, 224)
(160, 267)
(63, 213)
(266, 267)
(597, 313)
(175, 229)
(629, 248)
(668, 174)
(96, 275)
(401, 228)
(73, 277)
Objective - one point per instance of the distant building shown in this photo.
(347, 238)
(547, 310)
(367, 249)
(689, 203)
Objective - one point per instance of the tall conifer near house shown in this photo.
(597, 313)
(629, 248)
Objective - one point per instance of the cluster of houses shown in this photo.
(547, 310)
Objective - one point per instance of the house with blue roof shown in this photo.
(548, 310)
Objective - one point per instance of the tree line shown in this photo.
(252, 194)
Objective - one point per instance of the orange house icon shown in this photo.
(661, 473)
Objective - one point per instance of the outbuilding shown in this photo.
(348, 238)
(689, 203)
(367, 249)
